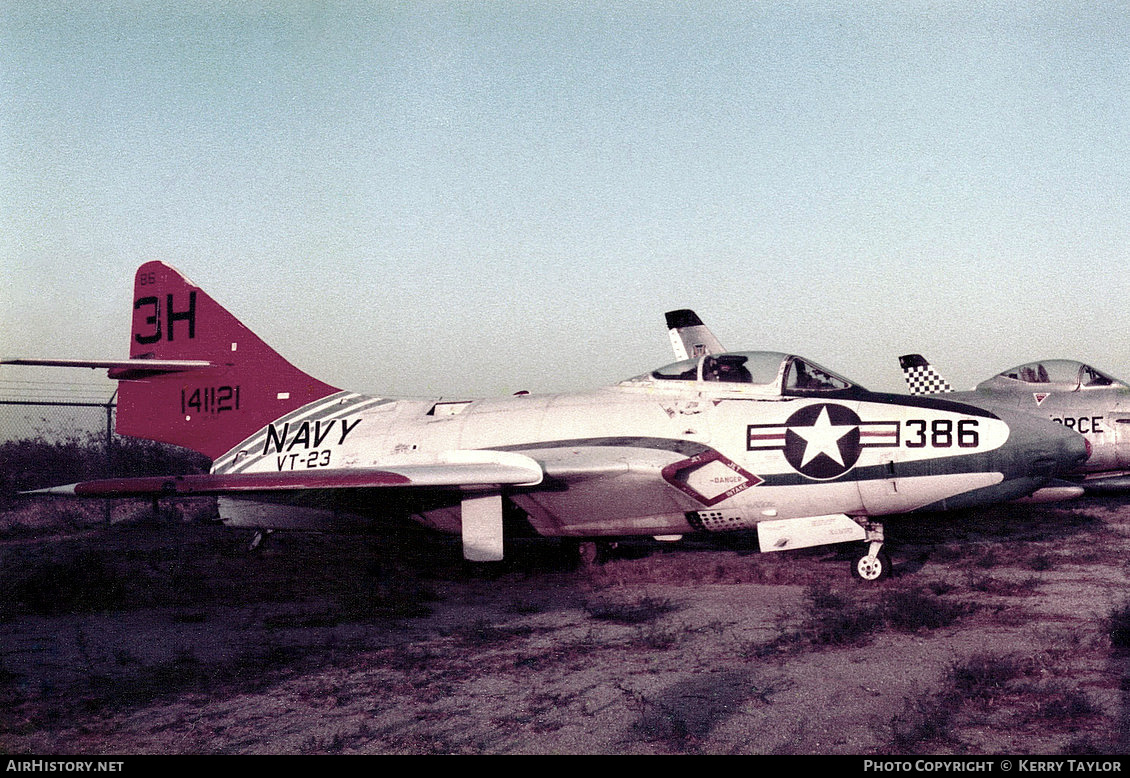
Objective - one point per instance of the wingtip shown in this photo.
(53, 491)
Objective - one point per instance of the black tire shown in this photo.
(590, 553)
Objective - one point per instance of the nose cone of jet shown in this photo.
(1041, 449)
(1035, 452)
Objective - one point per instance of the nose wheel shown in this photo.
(593, 553)
(873, 564)
(260, 536)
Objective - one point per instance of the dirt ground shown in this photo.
(1004, 631)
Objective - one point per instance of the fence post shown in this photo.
(108, 506)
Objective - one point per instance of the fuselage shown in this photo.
(668, 453)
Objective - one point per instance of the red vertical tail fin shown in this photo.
(245, 385)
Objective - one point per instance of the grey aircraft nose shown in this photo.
(1040, 449)
(1036, 452)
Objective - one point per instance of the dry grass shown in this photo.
(997, 635)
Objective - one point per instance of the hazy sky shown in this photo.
(475, 198)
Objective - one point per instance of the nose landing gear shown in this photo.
(874, 564)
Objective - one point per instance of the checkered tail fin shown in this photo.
(921, 377)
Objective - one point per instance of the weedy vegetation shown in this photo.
(153, 606)
(835, 618)
(1118, 626)
(639, 611)
(988, 688)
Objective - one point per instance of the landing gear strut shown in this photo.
(260, 536)
(873, 564)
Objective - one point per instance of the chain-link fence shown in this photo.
(55, 420)
(71, 430)
(48, 443)
(39, 404)
(58, 429)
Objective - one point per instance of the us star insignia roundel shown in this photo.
(823, 441)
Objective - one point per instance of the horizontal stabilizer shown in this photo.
(120, 368)
(454, 469)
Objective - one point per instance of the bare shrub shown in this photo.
(989, 681)
(1064, 705)
(1002, 587)
(923, 719)
(835, 620)
(914, 609)
(984, 676)
(655, 638)
(1118, 626)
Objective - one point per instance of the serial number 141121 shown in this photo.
(210, 399)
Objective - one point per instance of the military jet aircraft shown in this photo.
(710, 443)
(1076, 395)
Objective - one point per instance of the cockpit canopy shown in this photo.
(1064, 374)
(756, 372)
